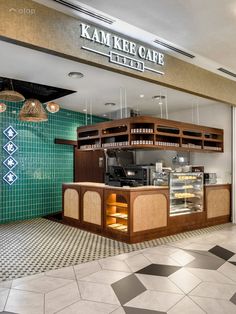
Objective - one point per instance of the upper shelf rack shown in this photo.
(150, 133)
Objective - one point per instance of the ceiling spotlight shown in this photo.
(3, 107)
(141, 95)
(84, 110)
(109, 104)
(52, 107)
(104, 115)
(158, 97)
(76, 75)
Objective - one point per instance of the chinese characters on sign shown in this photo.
(10, 133)
(10, 163)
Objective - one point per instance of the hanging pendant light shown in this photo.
(52, 107)
(11, 94)
(3, 107)
(33, 111)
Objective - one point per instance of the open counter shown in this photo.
(136, 214)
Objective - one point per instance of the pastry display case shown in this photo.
(186, 193)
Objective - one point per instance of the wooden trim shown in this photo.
(65, 142)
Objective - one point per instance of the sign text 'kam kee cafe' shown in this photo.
(138, 54)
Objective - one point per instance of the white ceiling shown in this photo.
(205, 28)
(96, 87)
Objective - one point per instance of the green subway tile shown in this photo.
(43, 166)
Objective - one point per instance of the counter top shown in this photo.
(131, 188)
(125, 188)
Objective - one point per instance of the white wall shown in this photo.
(218, 116)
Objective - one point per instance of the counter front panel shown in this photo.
(136, 214)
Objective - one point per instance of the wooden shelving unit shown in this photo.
(117, 209)
(150, 133)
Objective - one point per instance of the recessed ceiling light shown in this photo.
(141, 95)
(76, 74)
(109, 104)
(158, 97)
(84, 110)
(104, 115)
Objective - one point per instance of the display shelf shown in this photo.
(191, 134)
(90, 146)
(180, 176)
(167, 130)
(118, 227)
(112, 135)
(118, 204)
(142, 139)
(148, 132)
(214, 136)
(186, 193)
(183, 195)
(117, 212)
(142, 127)
(89, 143)
(115, 130)
(212, 145)
(141, 142)
(88, 134)
(144, 131)
(167, 140)
(118, 215)
(184, 187)
(113, 141)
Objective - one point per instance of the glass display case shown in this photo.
(186, 192)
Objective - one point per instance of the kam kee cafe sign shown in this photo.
(121, 51)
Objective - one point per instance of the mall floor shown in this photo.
(194, 275)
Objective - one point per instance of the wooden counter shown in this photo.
(136, 214)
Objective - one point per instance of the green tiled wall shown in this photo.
(43, 166)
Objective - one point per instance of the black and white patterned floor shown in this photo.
(194, 275)
(39, 245)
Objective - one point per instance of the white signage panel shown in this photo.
(10, 162)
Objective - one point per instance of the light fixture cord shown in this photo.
(11, 85)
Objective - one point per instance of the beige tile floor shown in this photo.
(180, 282)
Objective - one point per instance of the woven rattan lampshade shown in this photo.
(52, 107)
(33, 111)
(11, 95)
(3, 107)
